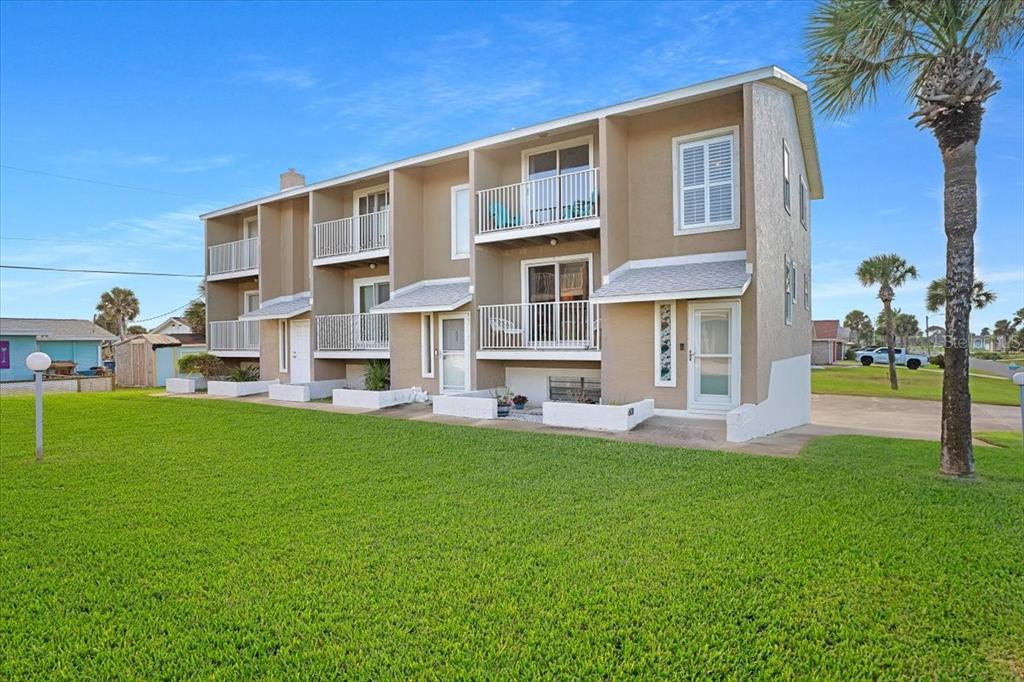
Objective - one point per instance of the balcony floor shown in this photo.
(571, 229)
(578, 354)
(381, 353)
(370, 255)
(235, 274)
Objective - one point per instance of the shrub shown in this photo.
(986, 355)
(203, 364)
(851, 354)
(378, 375)
(939, 360)
(244, 373)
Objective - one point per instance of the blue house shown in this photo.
(76, 341)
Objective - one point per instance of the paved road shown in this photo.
(901, 418)
(999, 368)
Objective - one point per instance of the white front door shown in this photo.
(714, 357)
(454, 359)
(299, 343)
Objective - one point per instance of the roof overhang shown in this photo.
(281, 308)
(768, 74)
(731, 292)
(428, 296)
(438, 308)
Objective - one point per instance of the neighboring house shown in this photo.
(658, 248)
(174, 326)
(76, 342)
(830, 342)
(150, 359)
(987, 342)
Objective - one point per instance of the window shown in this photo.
(706, 180)
(804, 207)
(371, 200)
(560, 188)
(282, 345)
(790, 290)
(460, 222)
(427, 344)
(785, 177)
(251, 228)
(371, 291)
(252, 301)
(664, 343)
(807, 291)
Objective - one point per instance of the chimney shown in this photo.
(291, 178)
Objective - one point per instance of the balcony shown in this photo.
(235, 259)
(563, 330)
(357, 335)
(363, 237)
(561, 203)
(235, 338)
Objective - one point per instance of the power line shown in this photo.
(101, 272)
(94, 182)
(150, 319)
(39, 239)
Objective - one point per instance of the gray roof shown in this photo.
(280, 308)
(56, 329)
(685, 280)
(427, 296)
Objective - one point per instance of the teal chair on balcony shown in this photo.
(501, 217)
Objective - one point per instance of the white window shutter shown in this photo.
(720, 179)
(694, 181)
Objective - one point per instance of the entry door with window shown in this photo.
(454, 371)
(714, 356)
(560, 312)
(560, 192)
(298, 343)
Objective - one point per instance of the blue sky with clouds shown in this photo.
(204, 104)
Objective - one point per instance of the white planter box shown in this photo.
(186, 385)
(471, 405)
(598, 417)
(303, 393)
(371, 400)
(236, 389)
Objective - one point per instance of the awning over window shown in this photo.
(651, 282)
(427, 296)
(281, 308)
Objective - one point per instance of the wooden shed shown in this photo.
(135, 359)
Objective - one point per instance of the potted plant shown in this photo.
(504, 399)
(519, 401)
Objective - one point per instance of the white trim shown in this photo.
(427, 308)
(237, 274)
(525, 265)
(352, 257)
(673, 342)
(469, 227)
(235, 353)
(771, 75)
(564, 144)
(735, 361)
(248, 221)
(360, 282)
(674, 295)
(705, 137)
(367, 191)
(245, 300)
(787, 183)
(805, 203)
(580, 355)
(283, 344)
(381, 354)
(539, 231)
(427, 349)
(465, 317)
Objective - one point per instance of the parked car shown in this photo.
(881, 355)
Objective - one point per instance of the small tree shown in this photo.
(860, 325)
(136, 329)
(119, 306)
(889, 272)
(203, 364)
(195, 313)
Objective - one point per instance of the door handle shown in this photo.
(691, 355)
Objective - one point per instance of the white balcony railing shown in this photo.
(235, 256)
(235, 335)
(558, 199)
(563, 324)
(352, 235)
(358, 331)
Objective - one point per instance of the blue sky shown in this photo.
(208, 103)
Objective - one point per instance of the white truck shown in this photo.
(881, 356)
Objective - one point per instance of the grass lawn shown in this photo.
(170, 537)
(919, 384)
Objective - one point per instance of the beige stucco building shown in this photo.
(658, 248)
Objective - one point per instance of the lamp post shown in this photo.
(38, 363)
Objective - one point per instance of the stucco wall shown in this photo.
(779, 233)
(436, 221)
(270, 361)
(19, 348)
(406, 370)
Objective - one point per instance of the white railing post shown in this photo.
(347, 236)
(560, 198)
(355, 331)
(559, 324)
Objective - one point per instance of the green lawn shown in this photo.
(920, 384)
(165, 538)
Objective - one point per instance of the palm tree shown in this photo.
(889, 272)
(938, 50)
(1002, 330)
(935, 298)
(195, 313)
(860, 324)
(119, 305)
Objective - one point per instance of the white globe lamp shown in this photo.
(38, 363)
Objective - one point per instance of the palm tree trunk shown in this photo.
(890, 341)
(961, 220)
